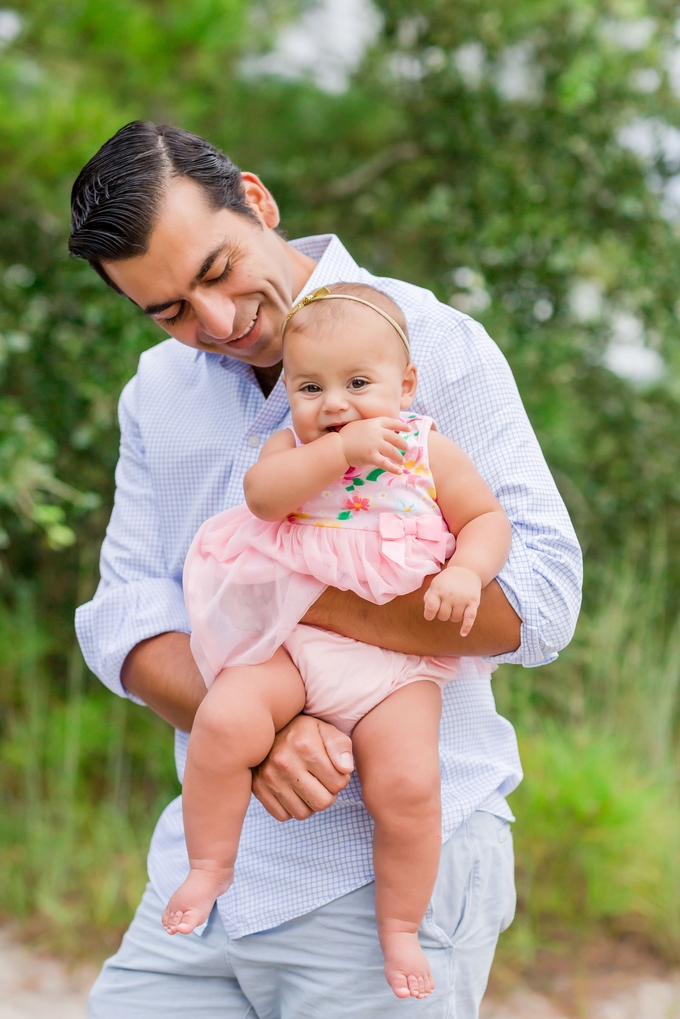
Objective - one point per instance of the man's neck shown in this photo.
(302, 265)
(268, 377)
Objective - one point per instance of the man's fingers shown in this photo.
(270, 803)
(338, 747)
(306, 796)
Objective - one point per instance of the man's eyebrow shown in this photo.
(208, 262)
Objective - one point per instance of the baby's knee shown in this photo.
(230, 723)
(413, 794)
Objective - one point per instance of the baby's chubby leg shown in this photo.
(396, 747)
(233, 732)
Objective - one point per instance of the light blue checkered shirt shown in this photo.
(192, 423)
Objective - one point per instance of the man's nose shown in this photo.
(216, 314)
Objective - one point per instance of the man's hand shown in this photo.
(454, 594)
(374, 442)
(308, 765)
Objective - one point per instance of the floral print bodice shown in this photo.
(371, 499)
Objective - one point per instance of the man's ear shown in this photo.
(260, 200)
(409, 385)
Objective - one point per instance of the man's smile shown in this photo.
(244, 339)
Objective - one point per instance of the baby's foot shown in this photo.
(406, 967)
(191, 904)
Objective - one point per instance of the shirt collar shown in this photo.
(334, 263)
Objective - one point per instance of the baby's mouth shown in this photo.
(336, 428)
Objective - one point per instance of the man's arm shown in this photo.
(161, 672)
(136, 598)
(310, 762)
(401, 626)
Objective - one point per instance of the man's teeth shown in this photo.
(246, 330)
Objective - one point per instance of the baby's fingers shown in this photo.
(387, 465)
(447, 611)
(469, 617)
(395, 424)
(393, 455)
(432, 604)
(392, 429)
(396, 440)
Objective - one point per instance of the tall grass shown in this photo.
(598, 832)
(84, 775)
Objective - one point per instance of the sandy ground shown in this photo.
(35, 987)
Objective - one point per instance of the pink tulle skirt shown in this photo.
(247, 583)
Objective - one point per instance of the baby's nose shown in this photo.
(334, 401)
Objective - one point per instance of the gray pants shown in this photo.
(326, 964)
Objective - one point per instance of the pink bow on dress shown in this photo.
(429, 528)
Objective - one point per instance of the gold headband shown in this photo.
(324, 294)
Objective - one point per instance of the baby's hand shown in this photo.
(374, 441)
(454, 594)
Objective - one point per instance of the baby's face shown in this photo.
(349, 368)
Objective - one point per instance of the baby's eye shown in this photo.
(311, 388)
(358, 384)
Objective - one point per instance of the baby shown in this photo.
(363, 496)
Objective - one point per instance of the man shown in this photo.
(172, 224)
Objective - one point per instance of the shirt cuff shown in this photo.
(518, 585)
(118, 618)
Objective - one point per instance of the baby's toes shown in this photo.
(413, 986)
(170, 920)
(399, 985)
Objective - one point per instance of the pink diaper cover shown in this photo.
(344, 679)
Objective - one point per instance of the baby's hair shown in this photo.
(318, 312)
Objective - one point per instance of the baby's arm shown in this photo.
(482, 531)
(286, 475)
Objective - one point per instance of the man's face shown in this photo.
(215, 279)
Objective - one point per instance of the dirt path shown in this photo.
(651, 998)
(34, 987)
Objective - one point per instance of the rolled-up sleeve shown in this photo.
(136, 597)
(474, 399)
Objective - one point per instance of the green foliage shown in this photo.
(82, 780)
(595, 843)
(478, 151)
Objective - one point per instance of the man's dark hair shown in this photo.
(117, 195)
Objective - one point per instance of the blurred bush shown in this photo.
(523, 161)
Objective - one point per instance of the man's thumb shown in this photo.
(339, 748)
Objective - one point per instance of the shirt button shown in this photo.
(254, 440)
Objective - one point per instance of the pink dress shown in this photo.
(247, 583)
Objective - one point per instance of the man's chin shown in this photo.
(260, 358)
